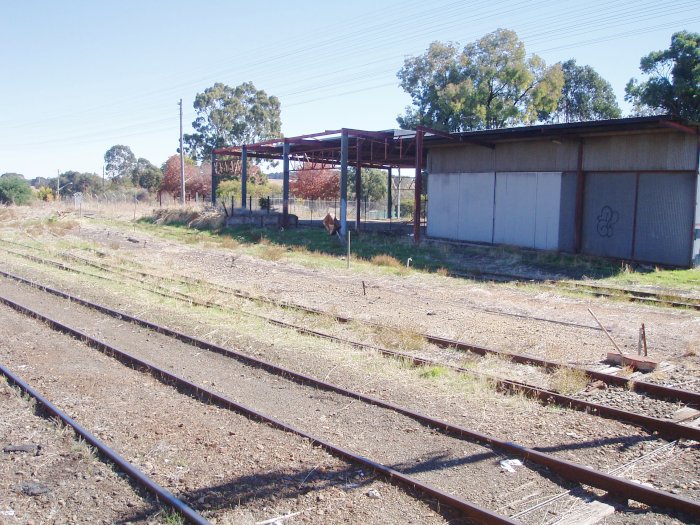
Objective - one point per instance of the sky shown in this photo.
(79, 77)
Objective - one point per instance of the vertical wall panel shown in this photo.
(547, 211)
(665, 209)
(443, 208)
(567, 212)
(476, 207)
(608, 214)
(516, 197)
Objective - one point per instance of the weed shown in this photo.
(172, 517)
(433, 372)
(568, 380)
(402, 339)
(444, 272)
(626, 371)
(229, 243)
(271, 252)
(386, 260)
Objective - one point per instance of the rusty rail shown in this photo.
(571, 471)
(666, 428)
(469, 509)
(160, 493)
(688, 397)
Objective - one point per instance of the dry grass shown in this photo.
(386, 260)
(229, 243)
(7, 214)
(442, 272)
(400, 339)
(626, 371)
(691, 350)
(568, 380)
(271, 252)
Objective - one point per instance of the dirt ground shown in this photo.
(492, 315)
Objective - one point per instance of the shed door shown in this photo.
(608, 214)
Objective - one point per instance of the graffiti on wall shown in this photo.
(606, 221)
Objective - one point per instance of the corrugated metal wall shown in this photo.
(527, 209)
(567, 215)
(608, 214)
(535, 204)
(652, 151)
(476, 200)
(665, 206)
(521, 209)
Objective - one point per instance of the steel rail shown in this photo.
(161, 494)
(599, 290)
(688, 397)
(652, 389)
(665, 428)
(181, 384)
(619, 487)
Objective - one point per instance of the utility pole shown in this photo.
(58, 185)
(182, 161)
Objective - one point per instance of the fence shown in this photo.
(309, 210)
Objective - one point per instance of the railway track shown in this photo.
(666, 428)
(666, 299)
(654, 390)
(165, 497)
(573, 472)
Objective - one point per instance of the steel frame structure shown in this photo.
(333, 149)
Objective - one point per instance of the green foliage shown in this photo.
(490, 84)
(74, 181)
(232, 188)
(119, 162)
(146, 175)
(44, 193)
(229, 116)
(585, 96)
(674, 80)
(373, 184)
(14, 189)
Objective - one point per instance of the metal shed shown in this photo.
(624, 188)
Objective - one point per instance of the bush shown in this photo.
(15, 190)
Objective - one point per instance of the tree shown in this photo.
(490, 84)
(373, 184)
(674, 80)
(14, 189)
(120, 161)
(316, 183)
(74, 181)
(146, 175)
(229, 116)
(196, 180)
(585, 96)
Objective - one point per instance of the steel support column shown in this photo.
(344, 183)
(358, 183)
(418, 185)
(388, 195)
(214, 180)
(285, 184)
(244, 175)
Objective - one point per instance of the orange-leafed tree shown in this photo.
(313, 183)
(197, 179)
